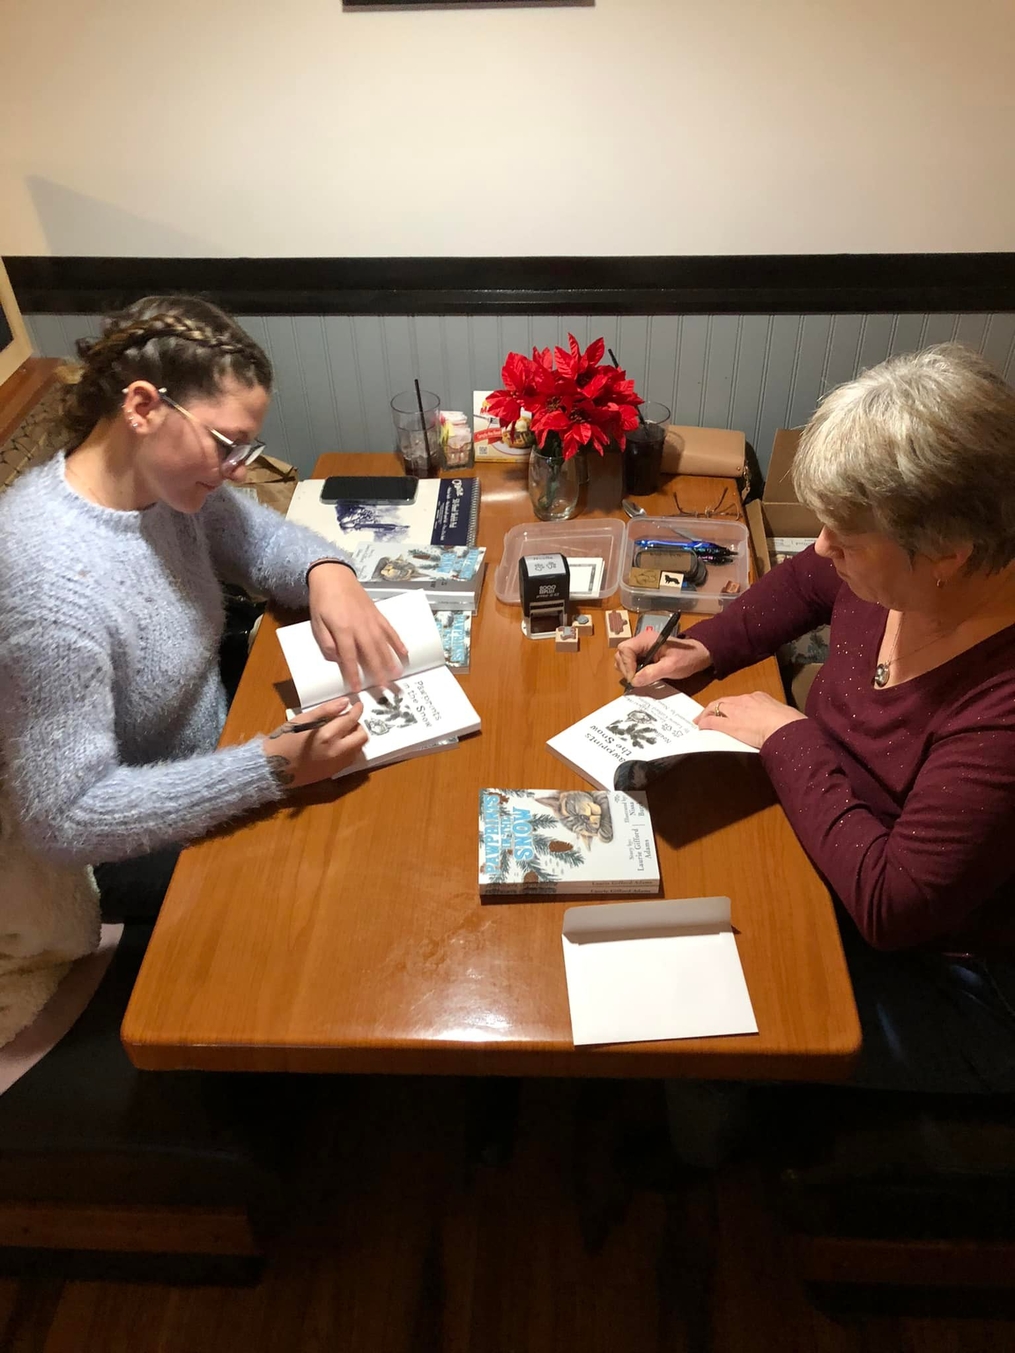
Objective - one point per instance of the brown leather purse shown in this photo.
(705, 451)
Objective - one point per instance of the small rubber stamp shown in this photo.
(618, 627)
(567, 639)
(644, 577)
(731, 587)
(583, 624)
(670, 582)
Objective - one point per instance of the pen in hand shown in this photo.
(309, 726)
(650, 656)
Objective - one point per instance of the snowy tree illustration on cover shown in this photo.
(535, 849)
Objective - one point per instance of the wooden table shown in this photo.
(344, 931)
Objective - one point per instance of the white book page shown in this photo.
(316, 679)
(640, 726)
(642, 971)
(425, 708)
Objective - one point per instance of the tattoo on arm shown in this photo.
(280, 769)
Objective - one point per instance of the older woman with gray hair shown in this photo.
(899, 779)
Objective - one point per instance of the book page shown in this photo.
(421, 709)
(316, 679)
(641, 727)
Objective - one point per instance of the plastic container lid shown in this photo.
(601, 537)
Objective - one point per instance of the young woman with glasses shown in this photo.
(113, 555)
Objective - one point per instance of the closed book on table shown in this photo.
(546, 841)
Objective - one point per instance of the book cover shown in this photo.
(456, 638)
(450, 578)
(420, 567)
(547, 841)
(445, 513)
(633, 740)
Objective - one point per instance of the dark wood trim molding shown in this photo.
(723, 284)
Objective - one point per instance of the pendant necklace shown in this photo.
(883, 671)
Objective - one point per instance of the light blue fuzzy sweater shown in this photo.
(111, 701)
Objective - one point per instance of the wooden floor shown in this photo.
(408, 1235)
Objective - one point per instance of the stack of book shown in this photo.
(428, 545)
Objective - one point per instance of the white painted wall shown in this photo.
(214, 127)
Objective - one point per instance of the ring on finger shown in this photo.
(717, 711)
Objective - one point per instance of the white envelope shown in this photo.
(641, 971)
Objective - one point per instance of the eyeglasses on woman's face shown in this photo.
(233, 454)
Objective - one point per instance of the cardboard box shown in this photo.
(784, 514)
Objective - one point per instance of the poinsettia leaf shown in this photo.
(594, 352)
(596, 384)
(507, 414)
(571, 444)
(566, 365)
(555, 420)
(576, 351)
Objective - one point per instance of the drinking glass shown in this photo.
(418, 438)
(643, 455)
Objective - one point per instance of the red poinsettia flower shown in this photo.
(569, 395)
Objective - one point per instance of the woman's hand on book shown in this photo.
(302, 758)
(350, 630)
(679, 659)
(750, 718)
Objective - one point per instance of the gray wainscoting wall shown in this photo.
(336, 373)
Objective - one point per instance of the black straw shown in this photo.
(637, 407)
(422, 419)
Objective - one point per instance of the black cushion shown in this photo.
(85, 1125)
(882, 1165)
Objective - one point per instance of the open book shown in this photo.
(636, 738)
(425, 706)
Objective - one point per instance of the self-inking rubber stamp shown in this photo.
(544, 585)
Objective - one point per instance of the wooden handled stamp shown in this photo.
(618, 627)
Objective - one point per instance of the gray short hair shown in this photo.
(921, 448)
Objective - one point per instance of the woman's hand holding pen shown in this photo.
(316, 746)
(680, 658)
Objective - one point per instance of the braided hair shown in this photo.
(181, 343)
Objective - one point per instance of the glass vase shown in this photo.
(553, 482)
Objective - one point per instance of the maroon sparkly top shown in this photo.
(904, 798)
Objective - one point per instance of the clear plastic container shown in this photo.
(601, 537)
(709, 597)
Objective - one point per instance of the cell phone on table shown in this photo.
(369, 488)
(653, 620)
